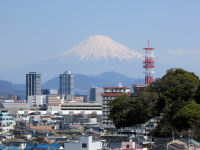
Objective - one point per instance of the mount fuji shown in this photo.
(98, 47)
(95, 55)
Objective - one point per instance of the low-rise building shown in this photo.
(54, 102)
(129, 146)
(16, 143)
(6, 121)
(85, 143)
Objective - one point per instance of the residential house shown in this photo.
(85, 143)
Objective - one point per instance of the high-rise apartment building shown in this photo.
(66, 85)
(111, 93)
(95, 95)
(33, 84)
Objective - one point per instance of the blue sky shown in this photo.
(34, 30)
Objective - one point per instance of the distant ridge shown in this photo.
(8, 88)
(82, 83)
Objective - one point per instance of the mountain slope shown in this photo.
(95, 55)
(8, 88)
(98, 46)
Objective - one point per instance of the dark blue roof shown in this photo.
(2, 147)
(30, 146)
(98, 128)
(13, 148)
(44, 146)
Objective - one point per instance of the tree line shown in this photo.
(176, 96)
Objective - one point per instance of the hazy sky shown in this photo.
(34, 30)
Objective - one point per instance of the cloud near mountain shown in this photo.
(98, 46)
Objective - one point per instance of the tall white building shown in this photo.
(111, 93)
(66, 85)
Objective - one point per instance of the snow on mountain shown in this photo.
(98, 46)
(95, 55)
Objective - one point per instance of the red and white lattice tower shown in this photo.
(149, 64)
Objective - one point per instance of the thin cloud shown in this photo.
(176, 52)
(181, 52)
(195, 51)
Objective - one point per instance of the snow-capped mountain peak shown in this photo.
(98, 46)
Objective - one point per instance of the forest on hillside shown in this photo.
(176, 96)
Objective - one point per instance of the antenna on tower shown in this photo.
(149, 64)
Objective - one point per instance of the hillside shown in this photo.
(82, 83)
(8, 88)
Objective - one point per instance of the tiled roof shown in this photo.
(75, 125)
(94, 132)
(41, 127)
(14, 141)
(32, 113)
(159, 147)
(48, 141)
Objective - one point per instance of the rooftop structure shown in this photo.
(137, 88)
(81, 106)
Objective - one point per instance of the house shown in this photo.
(129, 146)
(85, 143)
(6, 121)
(16, 143)
(194, 145)
(177, 145)
(44, 128)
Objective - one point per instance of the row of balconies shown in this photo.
(109, 97)
(116, 90)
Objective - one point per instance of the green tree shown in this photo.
(176, 84)
(176, 89)
(197, 95)
(126, 111)
(186, 116)
(173, 95)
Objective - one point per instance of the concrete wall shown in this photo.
(16, 106)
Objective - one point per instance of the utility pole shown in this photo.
(189, 134)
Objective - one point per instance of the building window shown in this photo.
(127, 146)
(84, 145)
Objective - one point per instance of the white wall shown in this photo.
(83, 139)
